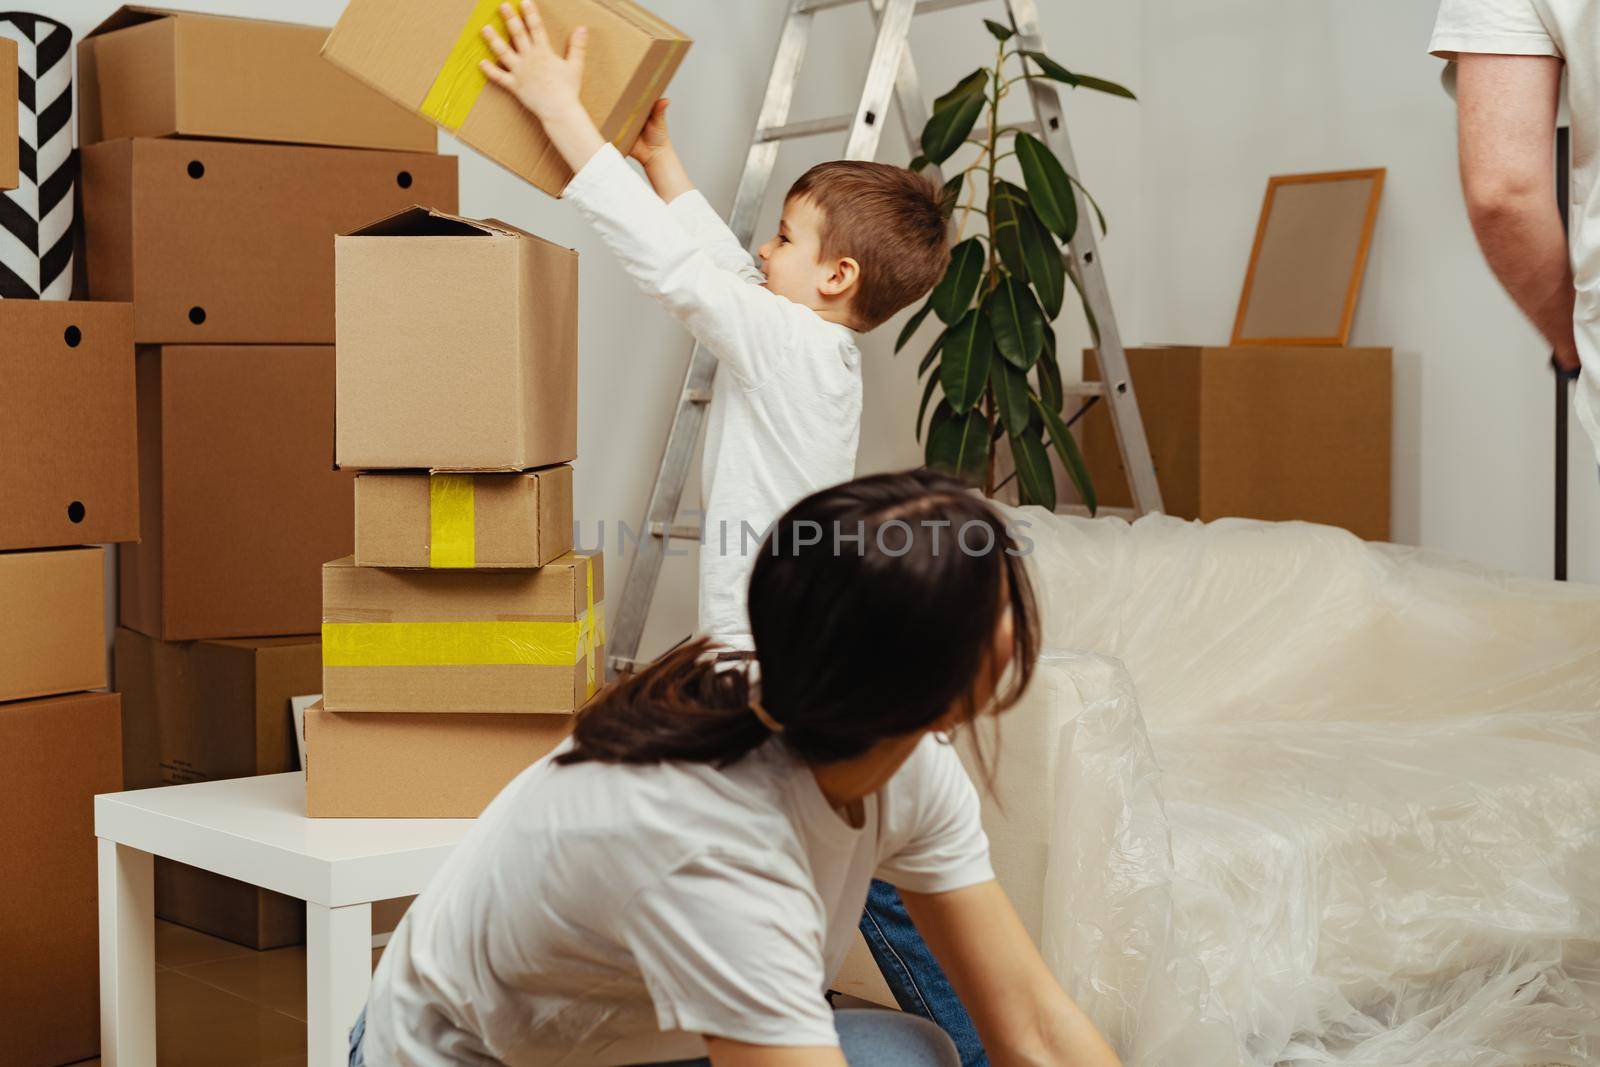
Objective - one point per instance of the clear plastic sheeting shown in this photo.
(1342, 806)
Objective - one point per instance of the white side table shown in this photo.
(254, 830)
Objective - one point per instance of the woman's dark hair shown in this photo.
(874, 606)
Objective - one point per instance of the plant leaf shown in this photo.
(1043, 258)
(950, 195)
(1049, 188)
(1050, 68)
(949, 126)
(910, 328)
(1012, 398)
(922, 408)
(1006, 226)
(1036, 482)
(960, 282)
(932, 353)
(1087, 195)
(1088, 312)
(1049, 368)
(1001, 32)
(1016, 321)
(1071, 458)
(976, 83)
(1100, 85)
(959, 445)
(918, 162)
(964, 370)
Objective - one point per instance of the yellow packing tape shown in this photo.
(453, 531)
(451, 644)
(460, 81)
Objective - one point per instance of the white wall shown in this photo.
(1236, 90)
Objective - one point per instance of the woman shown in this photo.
(684, 876)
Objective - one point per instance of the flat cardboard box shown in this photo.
(52, 622)
(424, 55)
(8, 114)
(1260, 432)
(150, 72)
(458, 346)
(61, 751)
(416, 519)
(463, 640)
(223, 242)
(201, 711)
(239, 507)
(365, 766)
(69, 475)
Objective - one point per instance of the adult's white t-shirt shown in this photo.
(604, 914)
(1569, 29)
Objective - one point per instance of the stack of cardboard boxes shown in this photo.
(464, 632)
(67, 479)
(221, 156)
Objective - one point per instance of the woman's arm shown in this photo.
(1021, 1011)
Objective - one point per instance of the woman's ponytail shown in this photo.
(687, 706)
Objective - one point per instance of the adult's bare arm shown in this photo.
(1507, 118)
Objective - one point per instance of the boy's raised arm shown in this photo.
(743, 324)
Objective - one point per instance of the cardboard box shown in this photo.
(8, 114)
(458, 346)
(62, 751)
(69, 474)
(416, 519)
(52, 622)
(463, 640)
(218, 241)
(1258, 432)
(424, 54)
(418, 766)
(199, 711)
(239, 506)
(149, 72)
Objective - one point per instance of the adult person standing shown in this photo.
(1510, 56)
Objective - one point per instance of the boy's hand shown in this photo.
(653, 139)
(529, 68)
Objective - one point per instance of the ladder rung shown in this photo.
(1084, 389)
(697, 396)
(808, 128)
(677, 531)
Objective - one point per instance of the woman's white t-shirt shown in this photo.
(605, 914)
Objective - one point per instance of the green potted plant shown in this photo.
(995, 360)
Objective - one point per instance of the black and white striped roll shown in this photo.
(37, 218)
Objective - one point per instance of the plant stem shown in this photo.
(992, 279)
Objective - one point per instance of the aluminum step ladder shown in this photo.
(891, 71)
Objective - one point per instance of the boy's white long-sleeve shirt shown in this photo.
(785, 416)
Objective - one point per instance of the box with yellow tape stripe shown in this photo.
(448, 521)
(524, 641)
(424, 55)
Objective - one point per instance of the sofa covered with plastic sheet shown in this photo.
(1308, 800)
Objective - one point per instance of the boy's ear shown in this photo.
(846, 272)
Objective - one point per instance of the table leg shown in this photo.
(338, 972)
(127, 956)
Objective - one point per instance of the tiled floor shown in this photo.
(221, 1005)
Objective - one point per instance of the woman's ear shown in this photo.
(846, 273)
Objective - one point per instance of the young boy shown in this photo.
(858, 242)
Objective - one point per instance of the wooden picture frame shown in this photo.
(1309, 256)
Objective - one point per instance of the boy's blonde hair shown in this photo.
(889, 220)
